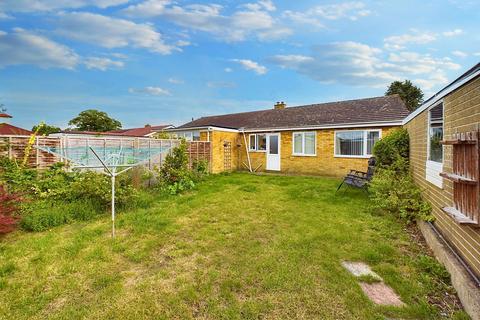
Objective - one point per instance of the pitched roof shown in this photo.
(143, 131)
(465, 78)
(378, 109)
(8, 129)
(4, 115)
(133, 132)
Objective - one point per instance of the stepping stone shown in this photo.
(381, 294)
(359, 269)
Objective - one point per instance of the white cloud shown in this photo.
(477, 54)
(317, 15)
(175, 81)
(154, 91)
(23, 47)
(261, 5)
(250, 20)
(452, 33)
(4, 16)
(221, 84)
(251, 65)
(228, 70)
(50, 5)
(460, 54)
(358, 64)
(102, 63)
(111, 32)
(399, 42)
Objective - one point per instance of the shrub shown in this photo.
(391, 147)
(8, 210)
(15, 176)
(392, 188)
(396, 193)
(174, 174)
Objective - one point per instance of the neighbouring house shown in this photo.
(444, 156)
(322, 139)
(146, 131)
(6, 129)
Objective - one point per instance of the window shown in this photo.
(304, 143)
(435, 133)
(189, 135)
(257, 142)
(355, 143)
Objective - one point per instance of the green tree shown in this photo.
(94, 120)
(45, 129)
(410, 94)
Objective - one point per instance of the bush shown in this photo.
(390, 148)
(8, 210)
(174, 174)
(392, 188)
(393, 191)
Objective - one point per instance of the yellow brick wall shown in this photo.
(461, 113)
(218, 139)
(324, 163)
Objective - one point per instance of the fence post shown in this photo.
(9, 147)
(149, 154)
(161, 153)
(36, 153)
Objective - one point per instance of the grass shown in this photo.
(238, 247)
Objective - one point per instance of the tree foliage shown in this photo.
(410, 94)
(94, 120)
(392, 189)
(45, 129)
(391, 147)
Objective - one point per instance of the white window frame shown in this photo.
(303, 154)
(434, 168)
(365, 143)
(255, 149)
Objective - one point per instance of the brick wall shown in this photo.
(461, 114)
(324, 163)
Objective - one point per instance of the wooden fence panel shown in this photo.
(14, 147)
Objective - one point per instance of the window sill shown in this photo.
(303, 155)
(352, 157)
(432, 173)
(261, 151)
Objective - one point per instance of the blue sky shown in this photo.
(162, 61)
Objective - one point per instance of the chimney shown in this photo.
(280, 105)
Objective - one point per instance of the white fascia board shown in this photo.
(346, 125)
(440, 95)
(207, 128)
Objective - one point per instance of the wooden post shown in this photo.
(9, 147)
(149, 154)
(36, 153)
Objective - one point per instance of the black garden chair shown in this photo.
(360, 179)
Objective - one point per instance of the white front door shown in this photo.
(273, 151)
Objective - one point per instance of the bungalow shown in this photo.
(146, 131)
(444, 156)
(322, 139)
(6, 129)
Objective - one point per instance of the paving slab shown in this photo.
(359, 269)
(381, 294)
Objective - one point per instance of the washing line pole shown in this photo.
(112, 174)
(246, 150)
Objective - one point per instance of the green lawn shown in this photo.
(239, 246)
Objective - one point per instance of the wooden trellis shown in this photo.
(465, 177)
(227, 155)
